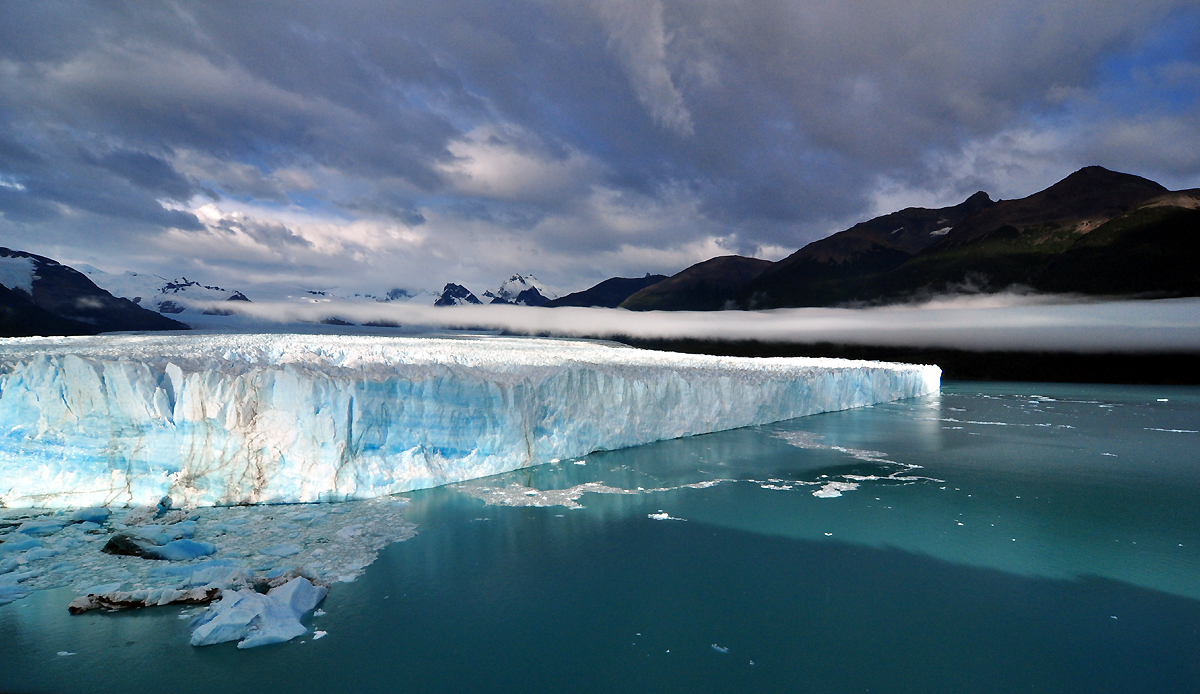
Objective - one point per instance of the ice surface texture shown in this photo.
(226, 419)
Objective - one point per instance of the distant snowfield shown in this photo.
(978, 322)
(267, 418)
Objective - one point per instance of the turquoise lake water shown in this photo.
(1049, 541)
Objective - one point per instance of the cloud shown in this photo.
(575, 139)
(511, 165)
(638, 37)
(1003, 322)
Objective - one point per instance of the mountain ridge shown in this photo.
(705, 286)
(44, 297)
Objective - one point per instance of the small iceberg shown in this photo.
(254, 619)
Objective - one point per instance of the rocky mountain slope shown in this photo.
(707, 286)
(41, 296)
(1095, 232)
(609, 293)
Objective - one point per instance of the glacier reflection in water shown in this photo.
(1000, 537)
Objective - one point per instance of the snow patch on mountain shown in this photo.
(17, 273)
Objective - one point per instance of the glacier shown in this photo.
(221, 419)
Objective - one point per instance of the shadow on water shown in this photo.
(955, 586)
(491, 599)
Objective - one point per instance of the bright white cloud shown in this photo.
(507, 164)
(996, 322)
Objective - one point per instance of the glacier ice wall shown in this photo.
(226, 419)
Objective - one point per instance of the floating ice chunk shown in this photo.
(18, 544)
(181, 550)
(834, 489)
(663, 515)
(65, 653)
(161, 535)
(229, 619)
(213, 573)
(278, 411)
(319, 635)
(101, 589)
(299, 594)
(255, 619)
(284, 550)
(9, 593)
(719, 649)
(95, 514)
(349, 532)
(41, 553)
(275, 624)
(41, 527)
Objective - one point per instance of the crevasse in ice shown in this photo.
(224, 419)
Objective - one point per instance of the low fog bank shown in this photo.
(996, 322)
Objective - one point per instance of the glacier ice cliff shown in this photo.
(231, 419)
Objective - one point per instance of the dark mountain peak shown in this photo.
(977, 200)
(1092, 194)
(456, 295)
(887, 239)
(707, 286)
(609, 293)
(1092, 180)
(531, 297)
(722, 263)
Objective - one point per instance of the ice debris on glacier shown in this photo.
(257, 549)
(230, 419)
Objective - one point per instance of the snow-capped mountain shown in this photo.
(524, 290)
(159, 293)
(40, 296)
(456, 295)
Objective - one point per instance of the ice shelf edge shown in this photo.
(232, 419)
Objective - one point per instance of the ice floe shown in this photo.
(517, 494)
(832, 488)
(223, 552)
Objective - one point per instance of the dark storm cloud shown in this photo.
(574, 127)
(148, 172)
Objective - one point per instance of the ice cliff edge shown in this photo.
(227, 419)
